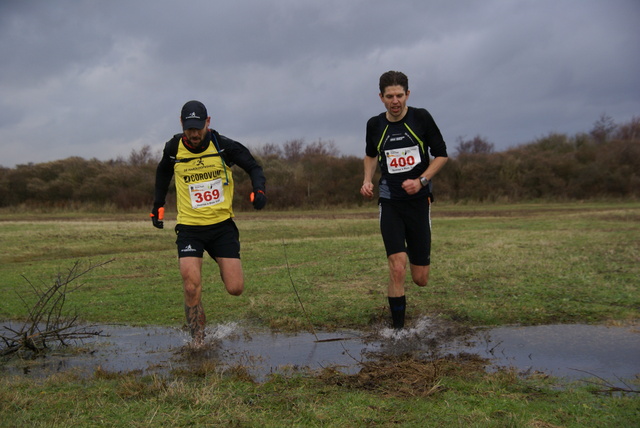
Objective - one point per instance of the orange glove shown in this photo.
(258, 199)
(157, 215)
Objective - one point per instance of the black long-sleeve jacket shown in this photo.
(203, 178)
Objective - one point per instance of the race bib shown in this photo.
(402, 160)
(206, 194)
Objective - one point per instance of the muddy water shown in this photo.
(568, 351)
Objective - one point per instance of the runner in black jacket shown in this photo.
(399, 141)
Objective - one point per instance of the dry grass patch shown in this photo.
(405, 376)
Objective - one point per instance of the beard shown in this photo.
(195, 140)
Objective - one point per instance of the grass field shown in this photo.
(491, 265)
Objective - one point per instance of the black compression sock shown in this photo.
(397, 306)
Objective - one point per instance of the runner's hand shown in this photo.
(367, 190)
(258, 199)
(157, 215)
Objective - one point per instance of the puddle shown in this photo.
(569, 351)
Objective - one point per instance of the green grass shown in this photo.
(499, 400)
(491, 265)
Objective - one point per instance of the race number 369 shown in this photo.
(206, 194)
(402, 160)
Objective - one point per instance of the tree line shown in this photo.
(601, 163)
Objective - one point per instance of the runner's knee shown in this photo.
(420, 276)
(235, 288)
(421, 282)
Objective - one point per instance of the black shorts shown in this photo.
(406, 227)
(219, 240)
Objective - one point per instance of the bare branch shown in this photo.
(47, 322)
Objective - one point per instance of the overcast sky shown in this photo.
(98, 79)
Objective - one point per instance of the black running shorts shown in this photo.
(219, 240)
(406, 227)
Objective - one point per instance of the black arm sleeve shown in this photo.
(164, 173)
(437, 146)
(373, 134)
(236, 153)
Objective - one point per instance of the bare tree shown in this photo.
(603, 128)
(476, 145)
(293, 150)
(144, 156)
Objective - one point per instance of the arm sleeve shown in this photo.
(373, 133)
(437, 146)
(164, 173)
(236, 153)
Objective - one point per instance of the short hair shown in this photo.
(393, 78)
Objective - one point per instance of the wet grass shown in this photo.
(447, 393)
(536, 264)
(491, 265)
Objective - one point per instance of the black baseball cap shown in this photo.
(194, 115)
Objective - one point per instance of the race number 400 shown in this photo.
(402, 160)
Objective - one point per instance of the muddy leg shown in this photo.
(196, 321)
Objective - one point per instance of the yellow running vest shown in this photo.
(204, 187)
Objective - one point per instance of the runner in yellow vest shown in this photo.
(200, 161)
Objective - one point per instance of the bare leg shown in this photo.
(196, 320)
(420, 275)
(397, 274)
(191, 271)
(232, 275)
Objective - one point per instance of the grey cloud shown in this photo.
(102, 78)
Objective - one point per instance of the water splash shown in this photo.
(214, 334)
(223, 331)
(421, 329)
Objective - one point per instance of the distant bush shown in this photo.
(603, 163)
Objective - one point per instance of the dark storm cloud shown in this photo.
(99, 79)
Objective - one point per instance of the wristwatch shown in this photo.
(424, 181)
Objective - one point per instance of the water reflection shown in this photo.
(571, 351)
